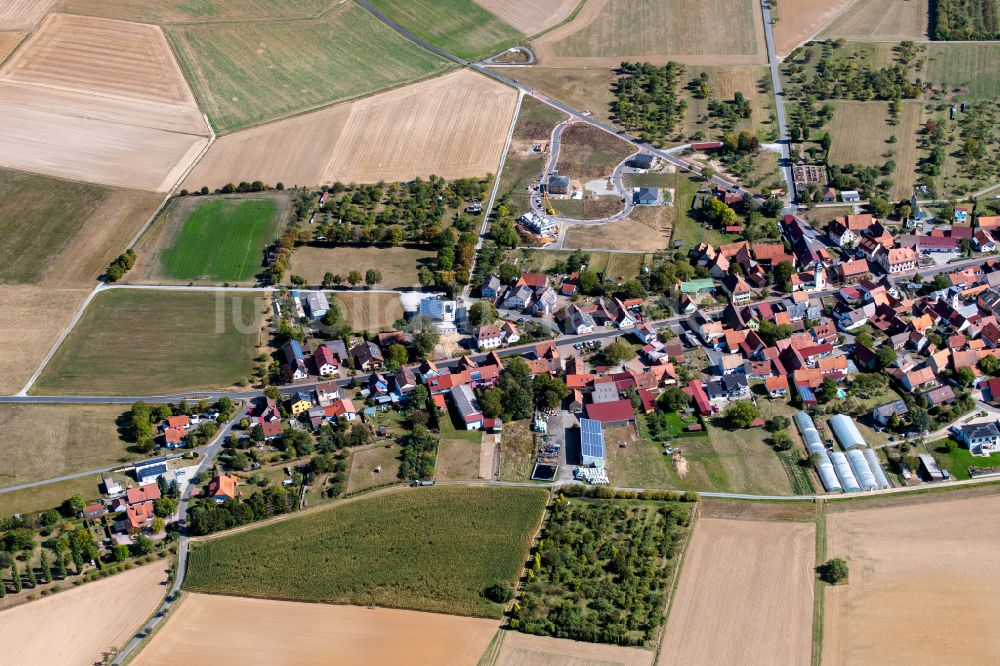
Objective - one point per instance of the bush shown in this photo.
(499, 593)
(834, 571)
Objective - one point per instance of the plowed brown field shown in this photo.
(801, 19)
(79, 625)
(101, 101)
(259, 631)
(451, 126)
(923, 584)
(530, 16)
(745, 595)
(22, 14)
(8, 40)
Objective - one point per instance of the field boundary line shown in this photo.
(17, 47)
(819, 591)
(530, 38)
(675, 579)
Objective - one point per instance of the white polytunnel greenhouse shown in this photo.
(844, 473)
(883, 480)
(862, 471)
(845, 431)
(827, 476)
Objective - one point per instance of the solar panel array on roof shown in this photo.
(591, 442)
(151, 471)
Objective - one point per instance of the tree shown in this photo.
(617, 353)
(61, 564)
(781, 441)
(782, 272)
(120, 552)
(397, 355)
(989, 364)
(777, 423)
(549, 391)
(164, 507)
(328, 280)
(828, 390)
(864, 338)
(920, 420)
(158, 525)
(73, 507)
(588, 283)
(498, 593)
(885, 357)
(673, 399)
(354, 278)
(372, 277)
(482, 312)
(142, 545)
(45, 566)
(740, 414)
(425, 335)
(508, 273)
(965, 376)
(30, 571)
(16, 576)
(834, 571)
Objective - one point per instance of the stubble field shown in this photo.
(431, 549)
(99, 101)
(801, 19)
(860, 131)
(605, 32)
(519, 649)
(79, 625)
(452, 126)
(259, 631)
(745, 595)
(57, 232)
(33, 319)
(246, 73)
(882, 21)
(45, 441)
(922, 587)
(22, 14)
(367, 311)
(146, 342)
(9, 40)
(530, 16)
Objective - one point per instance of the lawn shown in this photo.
(545, 260)
(364, 463)
(48, 496)
(433, 549)
(222, 240)
(64, 231)
(972, 67)
(149, 342)
(640, 463)
(367, 311)
(959, 459)
(398, 265)
(687, 228)
(460, 27)
(46, 441)
(245, 73)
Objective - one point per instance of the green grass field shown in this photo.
(222, 240)
(965, 65)
(248, 73)
(148, 342)
(433, 549)
(959, 460)
(169, 11)
(460, 27)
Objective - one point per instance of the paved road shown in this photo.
(779, 101)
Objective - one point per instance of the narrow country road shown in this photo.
(779, 101)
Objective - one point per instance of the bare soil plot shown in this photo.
(452, 126)
(801, 19)
(605, 32)
(458, 457)
(745, 595)
(911, 598)
(860, 133)
(881, 20)
(804, 511)
(9, 40)
(530, 16)
(79, 625)
(519, 649)
(34, 318)
(57, 232)
(647, 229)
(398, 264)
(45, 441)
(100, 101)
(173, 11)
(368, 311)
(22, 14)
(98, 56)
(363, 474)
(587, 152)
(258, 631)
(143, 342)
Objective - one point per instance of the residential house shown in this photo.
(327, 364)
(578, 322)
(737, 288)
(544, 303)
(295, 360)
(776, 387)
(710, 332)
(897, 259)
(223, 487)
(327, 392)
(942, 395)
(914, 379)
(488, 336)
(509, 332)
(149, 471)
(852, 271)
(341, 409)
(984, 241)
(339, 350)
(729, 387)
(490, 287)
(645, 333)
(467, 406)
(446, 314)
(883, 413)
(982, 439)
(367, 356)
(646, 196)
(518, 297)
(299, 402)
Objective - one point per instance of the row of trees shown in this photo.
(206, 516)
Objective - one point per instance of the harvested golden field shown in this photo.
(34, 318)
(799, 20)
(22, 14)
(452, 126)
(647, 229)
(45, 441)
(100, 101)
(881, 21)
(370, 311)
(398, 265)
(258, 631)
(78, 626)
(860, 133)
(102, 57)
(9, 40)
(745, 595)
(517, 649)
(922, 586)
(605, 32)
(530, 16)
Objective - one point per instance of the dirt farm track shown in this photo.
(258, 631)
(451, 126)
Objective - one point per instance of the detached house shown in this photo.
(367, 356)
(488, 336)
(295, 360)
(737, 288)
(327, 364)
(982, 439)
(897, 259)
(223, 487)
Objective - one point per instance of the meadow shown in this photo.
(221, 240)
(460, 27)
(173, 11)
(248, 73)
(398, 265)
(432, 549)
(970, 68)
(145, 342)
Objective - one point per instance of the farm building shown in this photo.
(604, 392)
(317, 304)
(930, 466)
(850, 196)
(876, 467)
(468, 408)
(591, 442)
(616, 412)
(845, 431)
